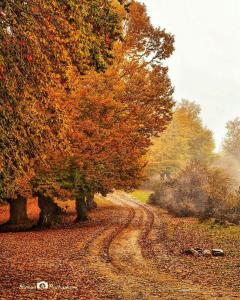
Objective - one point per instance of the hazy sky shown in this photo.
(205, 66)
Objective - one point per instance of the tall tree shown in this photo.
(121, 109)
(185, 139)
(40, 43)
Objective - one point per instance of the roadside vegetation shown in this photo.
(188, 178)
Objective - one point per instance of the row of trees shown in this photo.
(82, 91)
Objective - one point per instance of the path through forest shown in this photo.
(114, 255)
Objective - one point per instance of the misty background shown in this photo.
(205, 65)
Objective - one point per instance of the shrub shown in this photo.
(200, 191)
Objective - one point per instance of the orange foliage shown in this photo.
(57, 107)
(40, 41)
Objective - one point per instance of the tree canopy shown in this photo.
(82, 92)
(41, 43)
(185, 139)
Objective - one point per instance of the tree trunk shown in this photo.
(50, 213)
(81, 209)
(91, 204)
(18, 211)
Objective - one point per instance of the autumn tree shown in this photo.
(185, 139)
(105, 144)
(86, 132)
(120, 110)
(40, 42)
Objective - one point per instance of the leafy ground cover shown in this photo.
(126, 250)
(178, 234)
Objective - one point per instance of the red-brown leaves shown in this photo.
(1, 72)
(29, 58)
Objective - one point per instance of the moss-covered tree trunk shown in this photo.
(50, 213)
(81, 209)
(18, 211)
(91, 204)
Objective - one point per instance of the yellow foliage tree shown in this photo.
(184, 140)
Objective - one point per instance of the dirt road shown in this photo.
(115, 255)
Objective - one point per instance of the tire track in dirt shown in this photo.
(109, 273)
(146, 227)
(112, 230)
(119, 258)
(110, 256)
(140, 227)
(107, 242)
(94, 256)
(139, 263)
(133, 265)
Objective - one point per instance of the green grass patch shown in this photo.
(141, 195)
